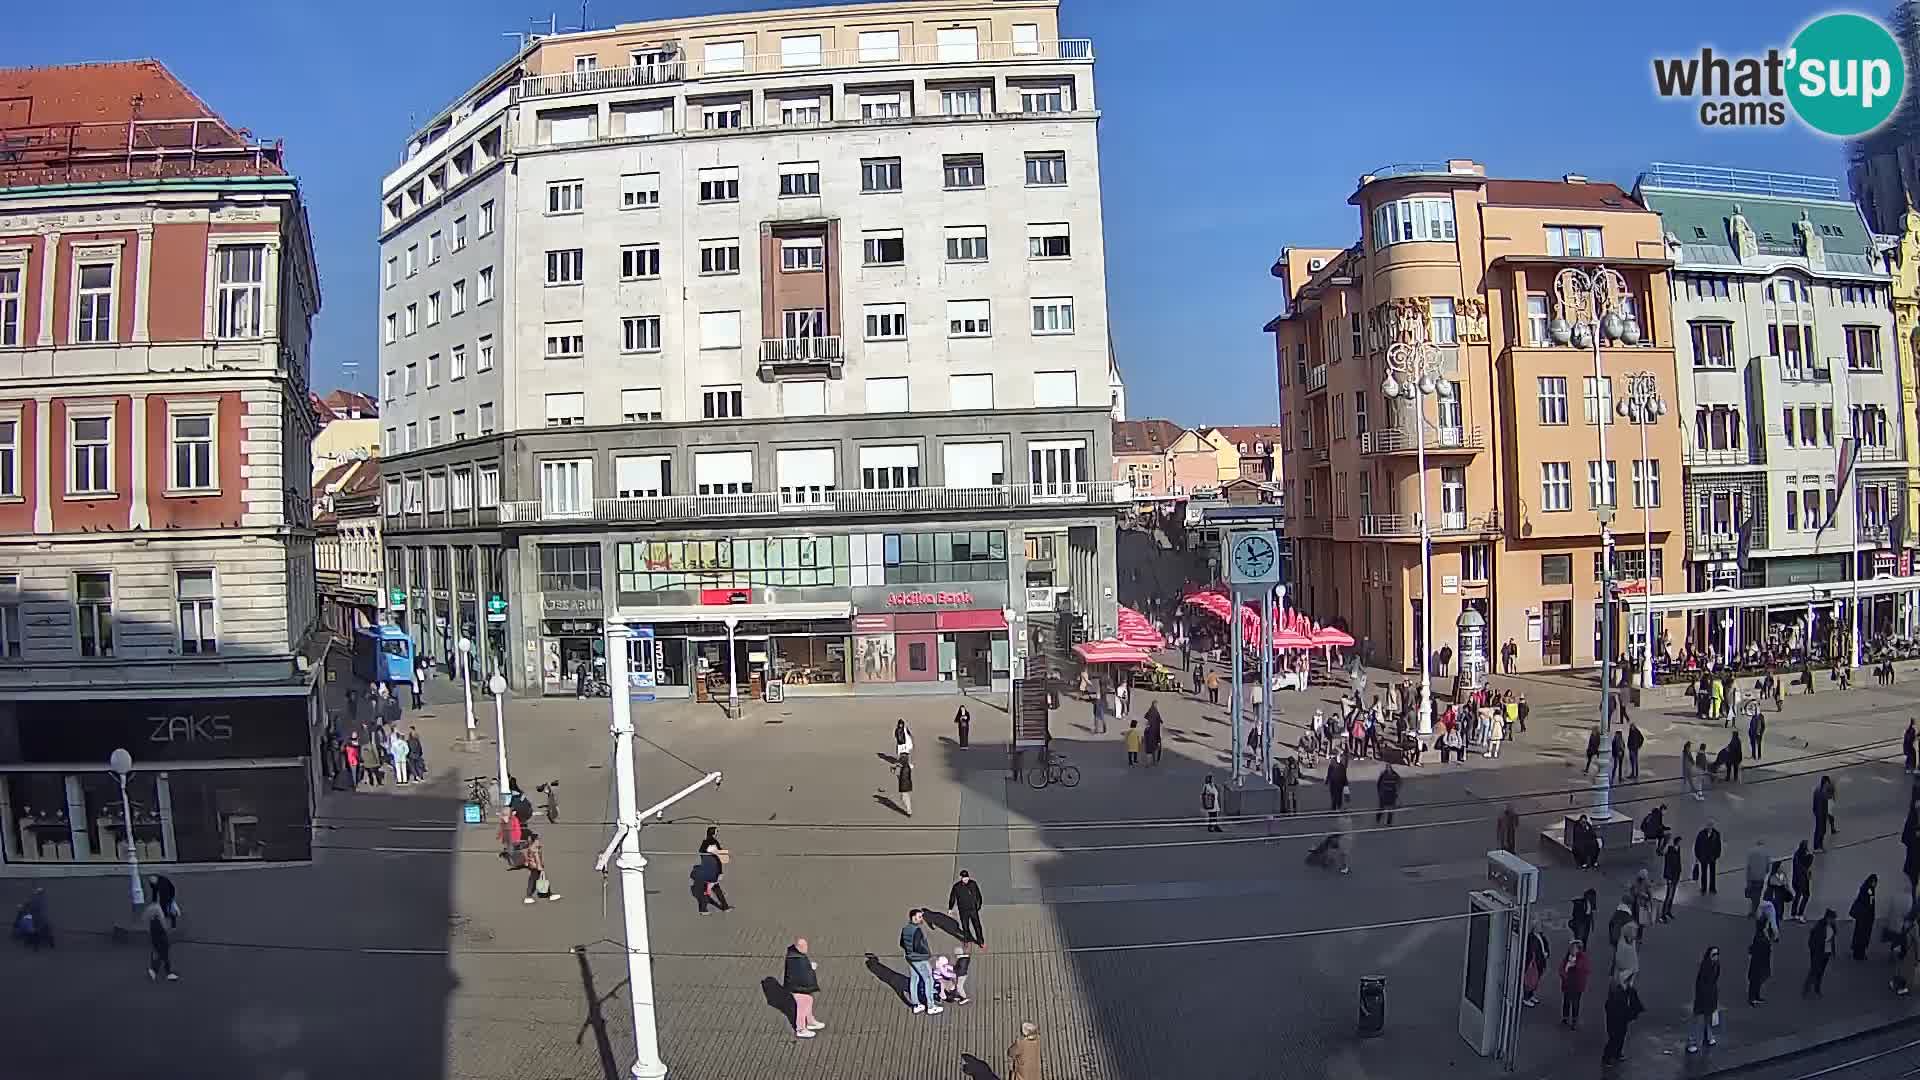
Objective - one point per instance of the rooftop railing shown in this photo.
(768, 504)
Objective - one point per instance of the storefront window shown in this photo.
(810, 661)
(569, 568)
(36, 818)
(914, 558)
(805, 561)
(106, 831)
(222, 815)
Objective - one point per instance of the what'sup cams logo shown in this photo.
(1843, 76)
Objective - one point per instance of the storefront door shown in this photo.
(973, 659)
(916, 655)
(1556, 643)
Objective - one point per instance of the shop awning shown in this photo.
(719, 613)
(1136, 630)
(1110, 652)
(992, 619)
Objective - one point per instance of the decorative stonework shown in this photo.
(1471, 324)
(1745, 244)
(1407, 317)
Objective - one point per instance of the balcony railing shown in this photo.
(1322, 454)
(1878, 454)
(1722, 456)
(1444, 524)
(925, 53)
(767, 504)
(1395, 440)
(800, 350)
(1805, 370)
(1316, 378)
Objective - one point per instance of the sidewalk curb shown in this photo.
(1787, 1047)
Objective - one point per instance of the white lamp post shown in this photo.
(498, 687)
(1413, 374)
(465, 647)
(1591, 309)
(120, 763)
(1643, 407)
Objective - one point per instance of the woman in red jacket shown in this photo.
(1573, 983)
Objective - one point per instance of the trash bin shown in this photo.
(1373, 1005)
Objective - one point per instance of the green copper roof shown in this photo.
(1702, 219)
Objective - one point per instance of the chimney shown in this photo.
(1574, 178)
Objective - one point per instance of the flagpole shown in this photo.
(1853, 653)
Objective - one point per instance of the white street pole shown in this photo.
(1426, 558)
(1237, 628)
(1853, 566)
(633, 891)
(1646, 545)
(120, 763)
(1604, 414)
(498, 685)
(466, 682)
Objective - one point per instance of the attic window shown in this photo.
(1766, 236)
(1699, 233)
(1609, 202)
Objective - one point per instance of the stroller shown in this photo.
(30, 924)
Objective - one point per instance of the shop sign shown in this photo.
(496, 604)
(929, 599)
(181, 729)
(572, 603)
(719, 597)
(973, 595)
(397, 598)
(573, 627)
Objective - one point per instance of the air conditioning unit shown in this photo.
(1314, 266)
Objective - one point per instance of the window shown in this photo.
(807, 253)
(1403, 220)
(961, 100)
(1050, 241)
(411, 442)
(1055, 389)
(803, 324)
(1574, 241)
(964, 171)
(1476, 561)
(883, 247)
(880, 107)
(727, 472)
(93, 612)
(486, 284)
(242, 290)
(1360, 413)
(433, 309)
(721, 403)
(433, 248)
(486, 418)
(1718, 427)
(1553, 399)
(563, 197)
(643, 476)
(1646, 482)
(565, 339)
(799, 112)
(1046, 169)
(1712, 344)
(1556, 486)
(1057, 467)
(719, 329)
(958, 44)
(889, 468)
(460, 487)
(1538, 321)
(457, 363)
(392, 331)
(969, 318)
(388, 276)
(1863, 348)
(1703, 287)
(800, 51)
(880, 174)
(805, 477)
(639, 261)
(433, 370)
(879, 46)
(484, 360)
(564, 267)
(487, 495)
(1043, 99)
(193, 452)
(1870, 425)
(9, 459)
(91, 438)
(10, 293)
(799, 178)
(887, 394)
(413, 378)
(436, 493)
(460, 234)
(1556, 569)
(457, 426)
(459, 296)
(1596, 399)
(640, 333)
(93, 313)
(640, 405)
(566, 489)
(1053, 315)
(725, 56)
(566, 410)
(807, 398)
(640, 191)
(1602, 484)
(973, 464)
(1026, 39)
(486, 218)
(393, 495)
(970, 391)
(886, 322)
(413, 259)
(723, 116)
(720, 185)
(966, 243)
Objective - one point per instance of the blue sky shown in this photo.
(1218, 147)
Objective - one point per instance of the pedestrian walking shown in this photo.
(1337, 781)
(350, 753)
(1756, 732)
(162, 889)
(1819, 952)
(1907, 975)
(1625, 935)
(1802, 882)
(1766, 931)
(1213, 686)
(913, 946)
(962, 967)
(1580, 923)
(416, 754)
(1907, 739)
(397, 749)
(1733, 754)
(1617, 748)
(160, 958)
(1496, 731)
(1593, 750)
(1210, 804)
(1706, 857)
(902, 740)
(964, 903)
(1635, 741)
(1521, 710)
(1623, 1008)
(1131, 737)
(963, 722)
(1686, 772)
(1670, 873)
(419, 680)
(1823, 793)
(1253, 750)
(538, 887)
(904, 784)
(1759, 866)
(1575, 969)
(1024, 1054)
(1538, 955)
(1388, 789)
(801, 979)
(706, 875)
(1152, 743)
(1705, 1018)
(1864, 912)
(1098, 701)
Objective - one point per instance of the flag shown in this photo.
(1896, 529)
(1743, 521)
(1846, 452)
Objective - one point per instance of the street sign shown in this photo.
(1252, 557)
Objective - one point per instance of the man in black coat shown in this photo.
(964, 903)
(1706, 852)
(1670, 872)
(1337, 781)
(1388, 787)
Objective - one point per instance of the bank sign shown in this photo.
(1842, 75)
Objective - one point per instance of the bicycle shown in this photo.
(477, 794)
(1053, 769)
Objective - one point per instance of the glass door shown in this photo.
(1453, 497)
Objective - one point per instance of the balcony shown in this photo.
(1315, 378)
(1407, 526)
(801, 355)
(1795, 369)
(906, 55)
(1879, 454)
(1321, 455)
(1441, 440)
(1723, 456)
(767, 504)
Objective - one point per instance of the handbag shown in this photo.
(1715, 1019)
(1696, 871)
(542, 886)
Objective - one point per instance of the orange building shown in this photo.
(1516, 485)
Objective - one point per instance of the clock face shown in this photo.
(1253, 556)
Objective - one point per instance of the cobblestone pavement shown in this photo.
(1143, 950)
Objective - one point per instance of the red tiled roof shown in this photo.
(332, 477)
(345, 401)
(1559, 194)
(364, 482)
(1240, 433)
(1145, 436)
(72, 123)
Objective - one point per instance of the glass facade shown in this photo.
(802, 561)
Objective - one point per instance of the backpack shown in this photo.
(1206, 799)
